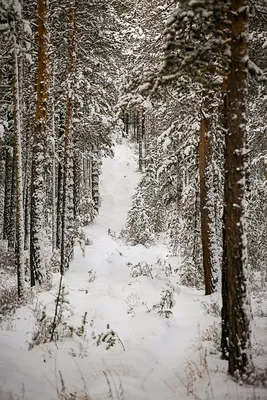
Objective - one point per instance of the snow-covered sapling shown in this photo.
(109, 337)
(166, 304)
(140, 269)
(80, 331)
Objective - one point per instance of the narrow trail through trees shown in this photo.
(150, 354)
(152, 351)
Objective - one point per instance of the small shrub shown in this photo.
(8, 300)
(109, 338)
(166, 304)
(80, 331)
(49, 328)
(164, 267)
(140, 269)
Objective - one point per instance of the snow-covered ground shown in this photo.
(153, 357)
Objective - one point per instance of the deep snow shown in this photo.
(163, 358)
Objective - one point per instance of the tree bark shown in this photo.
(95, 178)
(37, 262)
(139, 137)
(237, 319)
(205, 162)
(8, 191)
(18, 175)
(67, 204)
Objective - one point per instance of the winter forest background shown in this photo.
(133, 199)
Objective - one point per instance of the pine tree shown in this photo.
(18, 172)
(67, 201)
(236, 320)
(37, 262)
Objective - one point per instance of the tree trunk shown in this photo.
(67, 204)
(237, 320)
(126, 123)
(12, 209)
(18, 176)
(8, 191)
(206, 201)
(53, 205)
(224, 287)
(95, 179)
(139, 137)
(59, 184)
(37, 262)
(77, 183)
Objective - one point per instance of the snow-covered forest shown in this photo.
(133, 200)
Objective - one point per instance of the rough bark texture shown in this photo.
(205, 160)
(12, 210)
(140, 138)
(37, 264)
(67, 204)
(54, 213)
(8, 191)
(224, 311)
(237, 320)
(77, 182)
(59, 187)
(95, 179)
(18, 176)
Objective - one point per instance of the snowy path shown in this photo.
(153, 365)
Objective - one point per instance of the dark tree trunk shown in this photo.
(12, 211)
(59, 204)
(224, 312)
(126, 123)
(205, 163)
(235, 311)
(59, 186)
(140, 137)
(8, 192)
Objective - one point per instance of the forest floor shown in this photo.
(153, 358)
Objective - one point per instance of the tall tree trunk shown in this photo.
(59, 184)
(206, 201)
(27, 190)
(53, 205)
(9, 209)
(95, 178)
(12, 209)
(18, 175)
(8, 191)
(235, 237)
(77, 183)
(224, 284)
(126, 122)
(37, 262)
(139, 117)
(67, 204)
